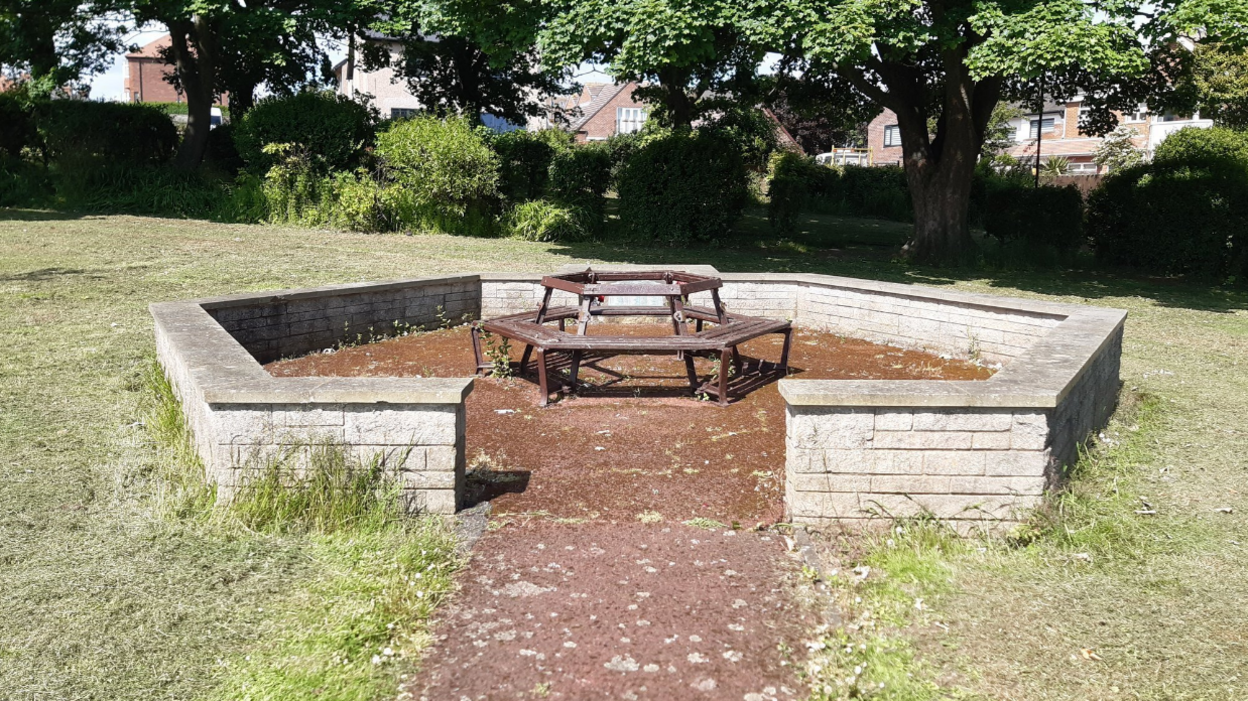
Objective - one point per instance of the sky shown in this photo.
(110, 85)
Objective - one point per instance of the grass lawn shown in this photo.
(105, 595)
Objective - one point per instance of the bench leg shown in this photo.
(725, 357)
(541, 377)
(698, 323)
(784, 353)
(476, 348)
(692, 372)
(524, 359)
(736, 362)
(576, 368)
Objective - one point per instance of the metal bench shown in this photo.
(720, 341)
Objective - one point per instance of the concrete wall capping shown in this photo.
(856, 450)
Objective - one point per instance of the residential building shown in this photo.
(147, 74)
(383, 88)
(606, 110)
(1057, 126)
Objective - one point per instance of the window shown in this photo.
(892, 135)
(402, 112)
(1081, 168)
(1048, 123)
(1140, 114)
(1172, 117)
(629, 119)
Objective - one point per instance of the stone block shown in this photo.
(996, 440)
(307, 415)
(962, 420)
(890, 420)
(1017, 462)
(429, 501)
(818, 427)
(923, 440)
(1031, 486)
(953, 462)
(415, 424)
(1029, 431)
(909, 484)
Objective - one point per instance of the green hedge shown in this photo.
(799, 184)
(682, 187)
(333, 129)
(1174, 218)
(1036, 217)
(109, 132)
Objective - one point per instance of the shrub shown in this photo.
(17, 128)
(110, 132)
(540, 220)
(332, 128)
(880, 191)
(1174, 218)
(1218, 147)
(524, 165)
(140, 189)
(1038, 218)
(682, 187)
(579, 177)
(447, 166)
(795, 180)
(750, 131)
(221, 152)
(1117, 151)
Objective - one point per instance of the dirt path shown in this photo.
(620, 611)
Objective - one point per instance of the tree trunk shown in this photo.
(195, 56)
(941, 202)
(940, 168)
(676, 97)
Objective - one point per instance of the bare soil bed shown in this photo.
(632, 444)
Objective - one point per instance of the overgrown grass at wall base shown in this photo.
(682, 187)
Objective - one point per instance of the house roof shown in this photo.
(604, 96)
(152, 49)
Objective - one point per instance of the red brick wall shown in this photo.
(146, 82)
(880, 154)
(602, 124)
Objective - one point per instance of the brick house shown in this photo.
(147, 73)
(607, 110)
(1058, 127)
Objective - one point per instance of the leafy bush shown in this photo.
(880, 191)
(17, 128)
(140, 189)
(109, 132)
(221, 152)
(579, 177)
(795, 180)
(682, 187)
(1038, 218)
(1218, 148)
(540, 220)
(1117, 151)
(524, 161)
(524, 165)
(448, 168)
(332, 128)
(750, 131)
(1174, 217)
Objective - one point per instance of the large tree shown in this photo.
(683, 49)
(942, 66)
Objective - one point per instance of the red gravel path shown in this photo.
(619, 611)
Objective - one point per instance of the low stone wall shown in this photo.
(300, 321)
(243, 419)
(965, 451)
